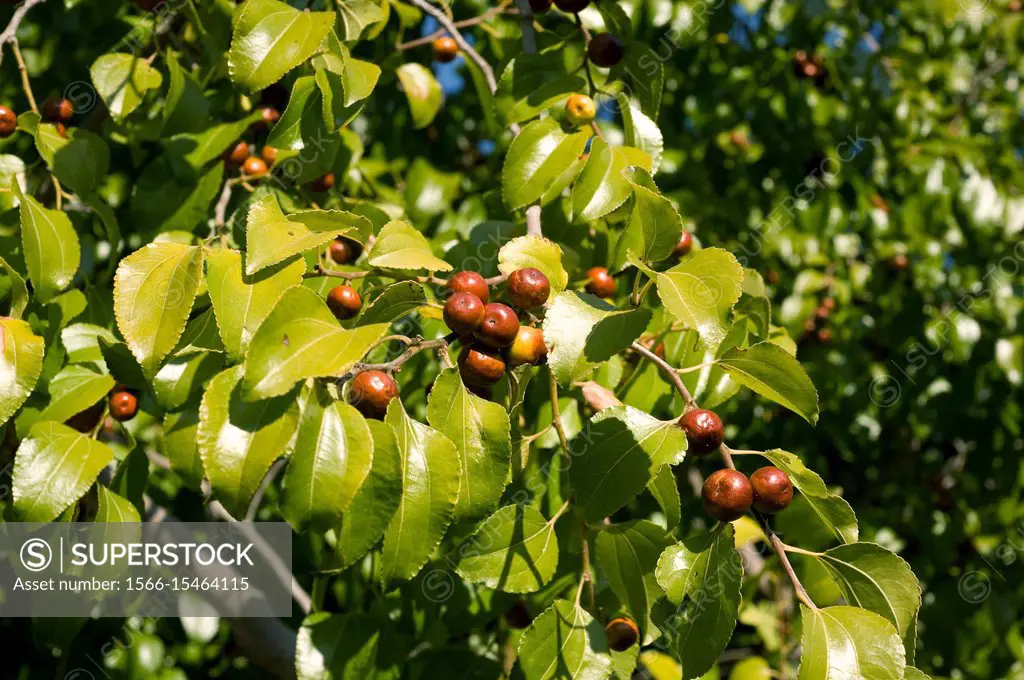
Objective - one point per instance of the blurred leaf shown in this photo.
(423, 93)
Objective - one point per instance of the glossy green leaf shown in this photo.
(537, 160)
(80, 159)
(532, 83)
(840, 643)
(537, 252)
(241, 301)
(702, 577)
(271, 38)
(82, 342)
(185, 109)
(400, 246)
(153, 293)
(239, 440)
(617, 455)
(394, 302)
(431, 474)
(50, 246)
(179, 445)
(423, 93)
(663, 488)
(640, 131)
(514, 550)
(302, 119)
(772, 372)
(371, 511)
(331, 459)
(19, 291)
(627, 555)
(73, 390)
(53, 468)
(183, 377)
(114, 508)
(654, 226)
(337, 647)
(300, 339)
(480, 431)
(354, 16)
(21, 362)
(601, 187)
(122, 80)
(833, 511)
(564, 642)
(199, 148)
(581, 331)
(272, 237)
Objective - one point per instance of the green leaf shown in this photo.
(73, 390)
(183, 376)
(400, 246)
(514, 550)
(122, 80)
(874, 578)
(53, 467)
(846, 642)
(654, 226)
(239, 440)
(617, 456)
(21, 362)
(602, 187)
(302, 119)
(431, 474)
(331, 459)
(537, 252)
(114, 508)
(185, 109)
(241, 301)
(300, 339)
(834, 512)
(663, 488)
(627, 555)
(180, 447)
(394, 302)
(582, 331)
(702, 577)
(537, 160)
(337, 647)
(701, 290)
(50, 246)
(272, 237)
(167, 200)
(640, 131)
(480, 431)
(19, 291)
(82, 342)
(153, 293)
(772, 372)
(270, 39)
(532, 83)
(423, 93)
(565, 641)
(367, 518)
(80, 162)
(355, 15)
(914, 674)
(199, 148)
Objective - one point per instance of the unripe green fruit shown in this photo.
(727, 495)
(580, 109)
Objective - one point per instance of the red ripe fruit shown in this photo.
(269, 155)
(469, 282)
(480, 365)
(498, 327)
(463, 313)
(254, 167)
(528, 288)
(344, 302)
(622, 634)
(601, 283)
(371, 391)
(684, 246)
(323, 183)
(773, 490)
(343, 251)
(61, 110)
(704, 432)
(8, 122)
(605, 50)
(123, 405)
(445, 49)
(238, 154)
(727, 495)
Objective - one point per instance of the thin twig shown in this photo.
(465, 23)
(23, 70)
(417, 345)
(780, 549)
(9, 33)
(666, 368)
(268, 479)
(450, 27)
(533, 221)
(221, 209)
(556, 416)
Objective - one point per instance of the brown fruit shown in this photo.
(55, 110)
(580, 109)
(480, 365)
(1014, 6)
(829, 303)
(463, 313)
(469, 282)
(528, 288)
(684, 246)
(8, 122)
(344, 251)
(528, 347)
(772, 277)
(601, 283)
(773, 490)
(445, 49)
(123, 405)
(703, 431)
(900, 262)
(540, 6)
(323, 183)
(825, 336)
(238, 154)
(604, 50)
(572, 6)
(148, 5)
(622, 634)
(498, 327)
(822, 313)
(268, 116)
(344, 302)
(727, 495)
(269, 155)
(254, 167)
(371, 391)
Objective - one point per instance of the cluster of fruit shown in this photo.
(815, 326)
(810, 67)
(55, 110)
